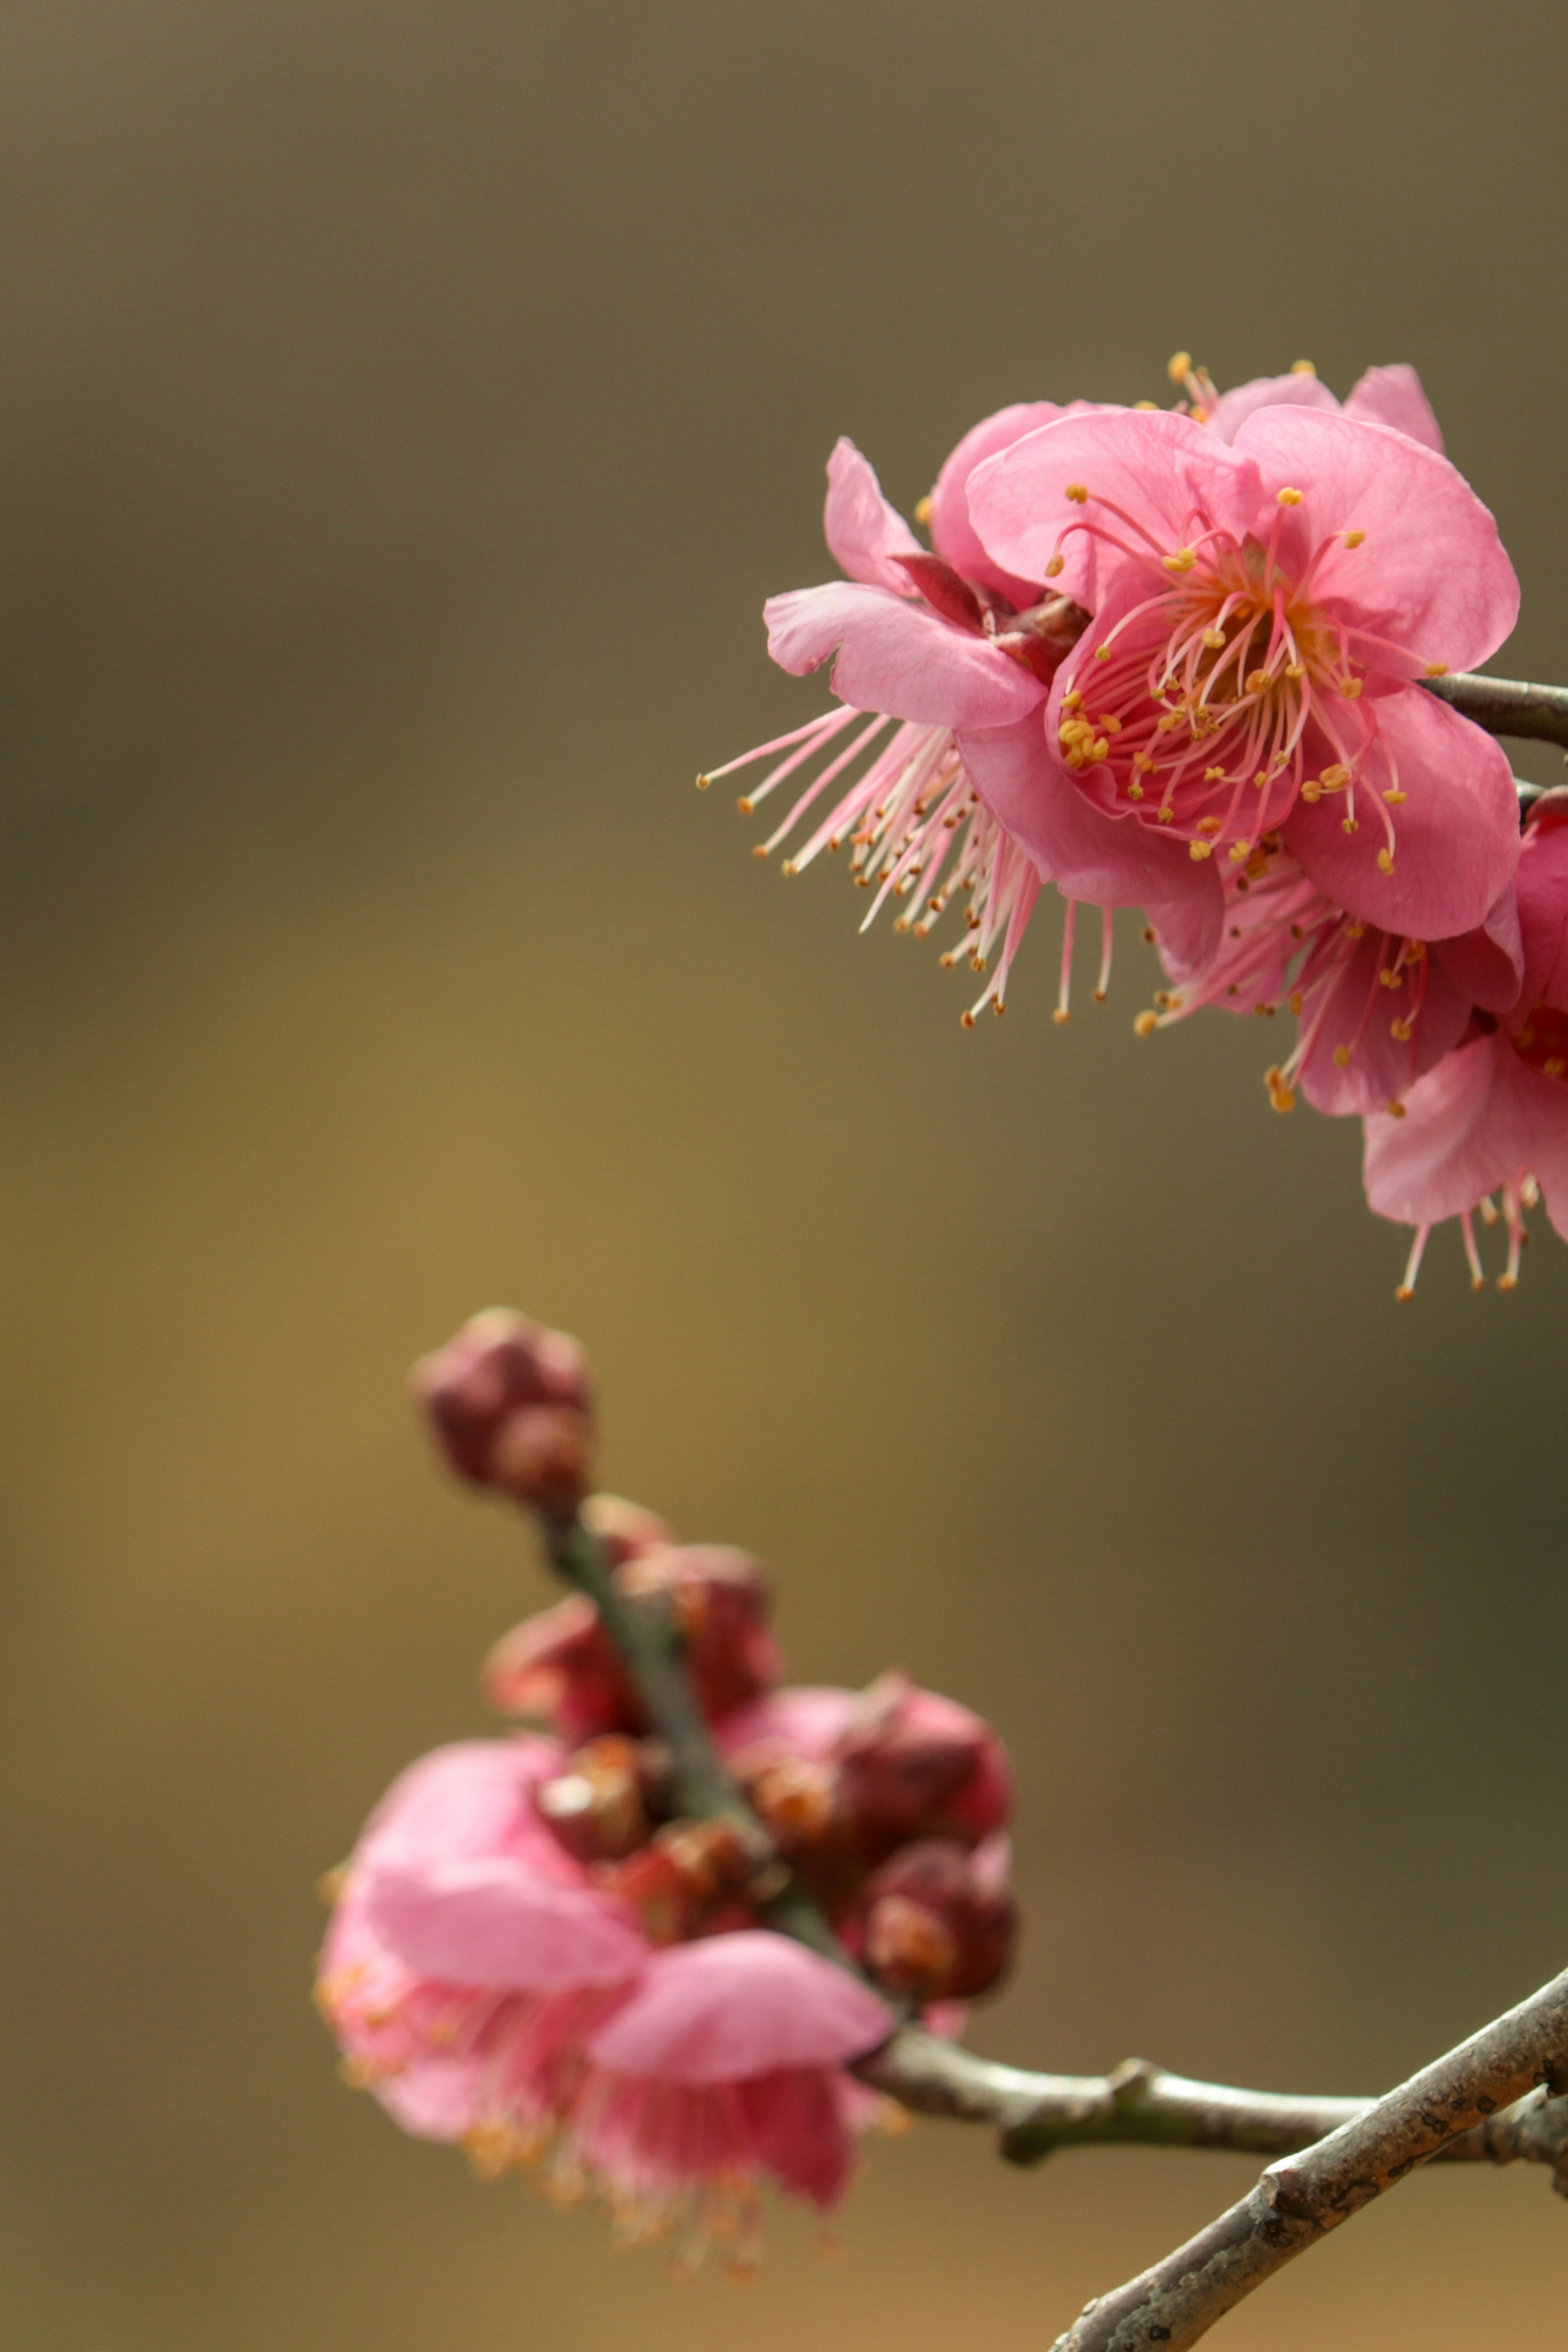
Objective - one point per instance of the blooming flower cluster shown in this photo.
(1178, 659)
(532, 1952)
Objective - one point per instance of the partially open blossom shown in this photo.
(1375, 1010)
(489, 1989)
(559, 1667)
(1263, 613)
(511, 1406)
(1383, 395)
(939, 1919)
(1492, 1116)
(954, 652)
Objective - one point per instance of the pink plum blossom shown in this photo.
(1263, 613)
(490, 1988)
(954, 653)
(1492, 1116)
(1375, 1009)
(1383, 395)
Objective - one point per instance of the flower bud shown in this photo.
(510, 1404)
(623, 1529)
(721, 1604)
(692, 1876)
(597, 1805)
(916, 1765)
(940, 1921)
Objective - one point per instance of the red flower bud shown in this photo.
(625, 1529)
(941, 1923)
(721, 1604)
(920, 1766)
(597, 1805)
(510, 1404)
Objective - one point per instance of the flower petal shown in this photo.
(1149, 477)
(1393, 396)
(1431, 575)
(1543, 915)
(436, 2098)
(862, 531)
(1104, 860)
(1487, 964)
(799, 2130)
(953, 535)
(1232, 409)
(472, 1798)
(1355, 1016)
(499, 1924)
(737, 2006)
(897, 656)
(1455, 835)
(1480, 1117)
(807, 1719)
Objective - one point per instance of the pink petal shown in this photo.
(1543, 915)
(499, 1924)
(862, 531)
(1487, 964)
(1549, 1167)
(1477, 1118)
(1393, 396)
(737, 2006)
(1431, 575)
(1161, 470)
(1358, 1013)
(1456, 836)
(807, 1720)
(1232, 409)
(953, 535)
(799, 2132)
(1104, 860)
(474, 1799)
(1188, 930)
(436, 2098)
(897, 656)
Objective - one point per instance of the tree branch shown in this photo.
(1506, 706)
(1301, 2198)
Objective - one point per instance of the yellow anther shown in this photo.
(1396, 797)
(1112, 726)
(1261, 778)
(1355, 930)
(1146, 403)
(1303, 367)
(1078, 492)
(1354, 538)
(1214, 775)
(1295, 669)
(1296, 1000)
(1060, 1016)
(1554, 1067)
(1332, 778)
(1211, 824)
(1257, 679)
(1312, 790)
(1401, 1029)
(1058, 563)
(760, 850)
(1145, 1024)
(1141, 760)
(1342, 1058)
(1134, 790)
(1279, 1094)
(1240, 851)
(703, 783)
(1395, 1108)
(923, 512)
(1072, 701)
(1437, 669)
(1166, 812)
(1214, 639)
(1101, 653)
(1199, 850)
(1182, 561)
(1289, 497)
(1350, 688)
(1385, 861)
(1179, 367)
(1350, 823)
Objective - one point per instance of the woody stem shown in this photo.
(1506, 706)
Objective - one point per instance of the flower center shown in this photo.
(1543, 1041)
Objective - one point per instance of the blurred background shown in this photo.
(403, 412)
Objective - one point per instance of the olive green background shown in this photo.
(404, 411)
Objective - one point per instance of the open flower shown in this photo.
(1492, 1116)
(1375, 1010)
(954, 653)
(1263, 613)
(491, 1989)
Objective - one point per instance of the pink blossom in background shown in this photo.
(490, 1989)
(1263, 612)
(1492, 1116)
(1383, 395)
(954, 652)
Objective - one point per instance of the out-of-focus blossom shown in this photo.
(561, 1668)
(511, 1406)
(954, 653)
(1263, 613)
(1375, 1010)
(490, 1988)
(1492, 1116)
(1383, 395)
(939, 1919)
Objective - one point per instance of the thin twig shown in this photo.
(1301, 2198)
(1506, 706)
(1033, 2114)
